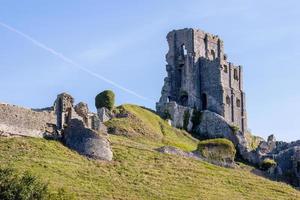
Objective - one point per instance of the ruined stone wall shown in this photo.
(207, 45)
(16, 120)
(211, 87)
(178, 114)
(180, 63)
(199, 76)
(234, 97)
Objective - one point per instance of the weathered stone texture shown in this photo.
(178, 114)
(200, 77)
(86, 141)
(76, 124)
(83, 111)
(195, 155)
(213, 126)
(16, 120)
(176, 151)
(104, 114)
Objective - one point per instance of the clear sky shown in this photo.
(72, 45)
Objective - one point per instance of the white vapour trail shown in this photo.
(70, 61)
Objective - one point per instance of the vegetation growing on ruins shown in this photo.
(253, 141)
(105, 99)
(268, 163)
(217, 149)
(235, 129)
(186, 119)
(196, 118)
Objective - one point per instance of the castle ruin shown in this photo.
(77, 127)
(200, 77)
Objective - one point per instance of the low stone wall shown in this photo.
(15, 120)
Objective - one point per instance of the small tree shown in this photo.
(105, 99)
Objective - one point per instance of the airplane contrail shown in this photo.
(72, 62)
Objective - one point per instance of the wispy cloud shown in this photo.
(71, 61)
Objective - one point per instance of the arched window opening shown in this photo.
(204, 101)
(227, 100)
(184, 100)
(184, 97)
(168, 99)
(183, 50)
(238, 103)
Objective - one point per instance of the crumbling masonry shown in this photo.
(75, 126)
(200, 77)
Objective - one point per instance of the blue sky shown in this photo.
(124, 41)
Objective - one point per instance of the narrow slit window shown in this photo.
(227, 100)
(238, 103)
(225, 68)
(235, 74)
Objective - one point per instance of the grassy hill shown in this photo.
(137, 171)
(144, 126)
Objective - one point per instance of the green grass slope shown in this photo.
(137, 171)
(144, 126)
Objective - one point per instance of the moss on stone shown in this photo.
(105, 99)
(235, 129)
(268, 163)
(219, 149)
(252, 140)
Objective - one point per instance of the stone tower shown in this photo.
(200, 77)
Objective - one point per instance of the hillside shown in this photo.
(137, 171)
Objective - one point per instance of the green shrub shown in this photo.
(267, 164)
(234, 129)
(105, 99)
(166, 115)
(15, 186)
(219, 149)
(196, 118)
(186, 119)
(24, 187)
